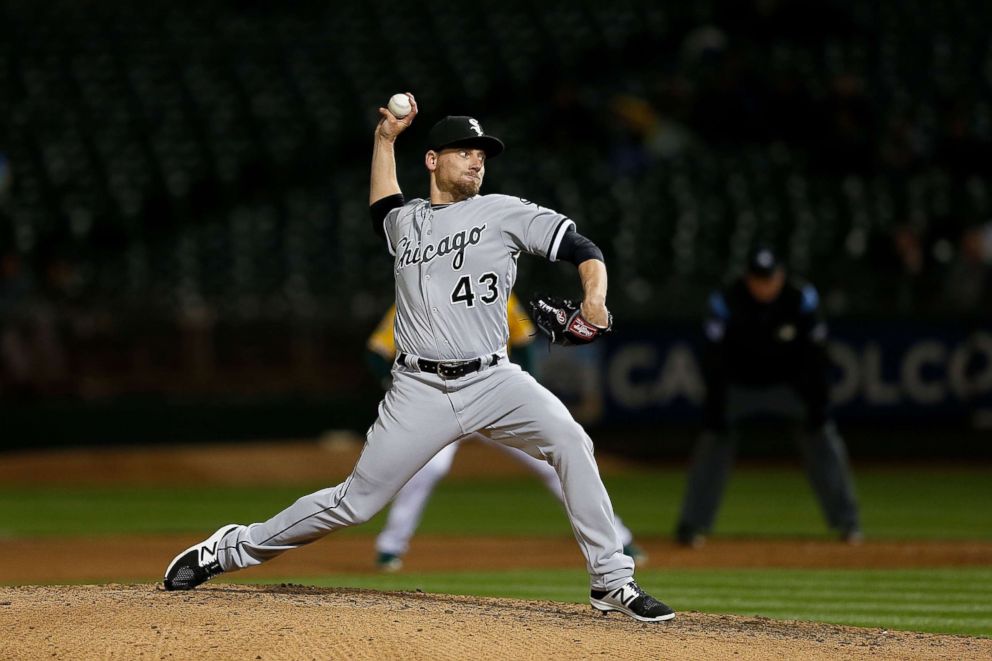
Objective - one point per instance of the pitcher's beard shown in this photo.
(462, 190)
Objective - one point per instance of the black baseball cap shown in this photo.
(762, 261)
(461, 131)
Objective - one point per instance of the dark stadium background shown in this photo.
(184, 243)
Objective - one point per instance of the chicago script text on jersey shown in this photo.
(408, 253)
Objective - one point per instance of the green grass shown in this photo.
(897, 503)
(955, 601)
(917, 503)
(128, 510)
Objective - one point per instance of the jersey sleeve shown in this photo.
(389, 227)
(390, 222)
(532, 228)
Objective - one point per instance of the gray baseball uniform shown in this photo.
(454, 267)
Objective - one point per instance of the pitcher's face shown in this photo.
(458, 170)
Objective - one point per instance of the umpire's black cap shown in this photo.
(461, 131)
(762, 261)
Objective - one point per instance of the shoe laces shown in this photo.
(649, 601)
(636, 588)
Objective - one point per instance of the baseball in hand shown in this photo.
(399, 105)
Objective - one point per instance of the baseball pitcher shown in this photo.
(454, 262)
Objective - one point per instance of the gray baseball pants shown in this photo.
(421, 414)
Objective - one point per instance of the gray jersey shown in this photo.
(455, 266)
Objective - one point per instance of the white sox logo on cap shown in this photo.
(463, 130)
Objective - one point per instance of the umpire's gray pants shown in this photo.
(824, 458)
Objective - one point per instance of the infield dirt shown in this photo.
(221, 621)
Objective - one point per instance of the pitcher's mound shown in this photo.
(219, 621)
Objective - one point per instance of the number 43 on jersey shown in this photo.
(484, 288)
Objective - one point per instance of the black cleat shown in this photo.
(197, 564)
(629, 598)
(389, 562)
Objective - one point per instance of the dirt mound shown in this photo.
(295, 622)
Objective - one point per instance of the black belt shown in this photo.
(450, 369)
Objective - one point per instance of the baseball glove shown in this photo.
(562, 321)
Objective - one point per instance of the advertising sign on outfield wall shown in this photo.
(880, 370)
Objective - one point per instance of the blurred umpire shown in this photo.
(764, 338)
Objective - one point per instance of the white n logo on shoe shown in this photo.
(626, 595)
(208, 552)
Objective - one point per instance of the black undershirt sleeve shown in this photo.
(381, 207)
(576, 248)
